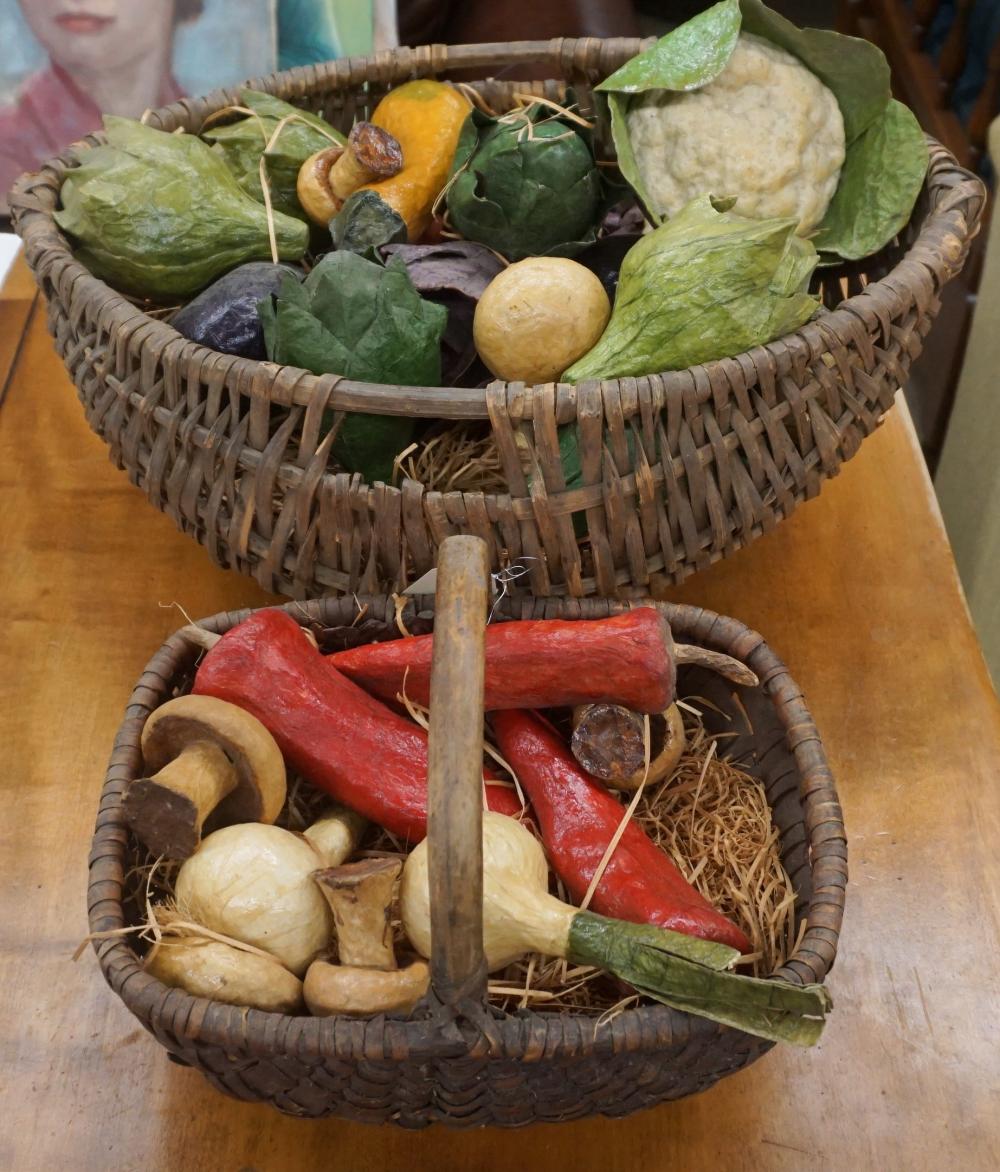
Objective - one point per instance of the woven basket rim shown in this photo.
(286, 385)
(513, 1036)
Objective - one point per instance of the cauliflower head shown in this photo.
(766, 131)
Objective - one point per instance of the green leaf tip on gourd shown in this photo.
(525, 184)
(357, 318)
(690, 974)
(240, 144)
(160, 215)
(705, 285)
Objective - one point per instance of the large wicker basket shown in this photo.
(458, 1062)
(232, 449)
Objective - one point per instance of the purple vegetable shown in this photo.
(454, 274)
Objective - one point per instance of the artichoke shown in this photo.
(160, 216)
(525, 184)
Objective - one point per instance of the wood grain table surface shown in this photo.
(857, 593)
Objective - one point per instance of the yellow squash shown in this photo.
(425, 117)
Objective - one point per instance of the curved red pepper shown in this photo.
(549, 663)
(330, 730)
(578, 817)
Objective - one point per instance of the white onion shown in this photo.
(254, 883)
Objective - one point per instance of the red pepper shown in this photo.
(578, 817)
(332, 732)
(550, 663)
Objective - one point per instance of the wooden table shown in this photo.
(857, 593)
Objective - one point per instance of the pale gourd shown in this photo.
(539, 316)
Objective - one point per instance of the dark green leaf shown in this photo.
(879, 184)
(454, 274)
(527, 185)
(705, 285)
(855, 71)
(366, 221)
(359, 319)
(160, 215)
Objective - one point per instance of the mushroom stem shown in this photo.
(335, 836)
(168, 810)
(723, 665)
(609, 741)
(371, 154)
(332, 989)
(360, 897)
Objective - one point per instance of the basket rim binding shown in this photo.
(35, 196)
(531, 1034)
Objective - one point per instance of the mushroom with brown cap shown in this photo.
(331, 989)
(204, 758)
(360, 897)
(609, 742)
(365, 980)
(329, 176)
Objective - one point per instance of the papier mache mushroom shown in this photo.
(609, 741)
(329, 176)
(366, 979)
(205, 758)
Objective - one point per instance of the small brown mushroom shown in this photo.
(360, 897)
(366, 980)
(668, 743)
(205, 758)
(331, 988)
(328, 177)
(609, 742)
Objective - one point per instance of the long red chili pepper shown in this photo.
(578, 818)
(336, 735)
(550, 663)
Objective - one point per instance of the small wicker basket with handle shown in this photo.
(459, 1061)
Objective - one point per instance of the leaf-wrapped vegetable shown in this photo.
(242, 143)
(707, 284)
(765, 136)
(354, 317)
(160, 216)
(455, 274)
(525, 184)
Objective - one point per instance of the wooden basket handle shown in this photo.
(455, 772)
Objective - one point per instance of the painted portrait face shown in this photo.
(99, 34)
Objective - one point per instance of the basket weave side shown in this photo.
(678, 469)
(504, 1070)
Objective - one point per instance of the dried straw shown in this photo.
(460, 457)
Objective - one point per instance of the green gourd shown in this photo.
(160, 216)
